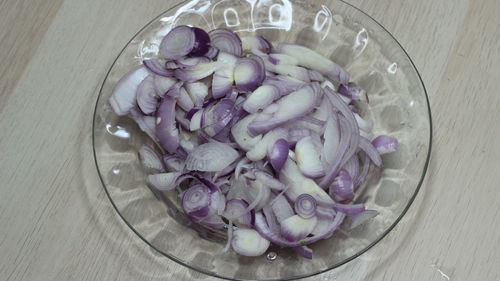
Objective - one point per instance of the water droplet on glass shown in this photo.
(271, 256)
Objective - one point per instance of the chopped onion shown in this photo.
(281, 208)
(211, 157)
(248, 242)
(223, 78)
(226, 41)
(361, 218)
(352, 91)
(198, 91)
(259, 151)
(240, 133)
(123, 98)
(202, 41)
(278, 153)
(196, 72)
(163, 84)
(342, 188)
(249, 73)
(167, 133)
(256, 42)
(308, 158)
(150, 160)
(371, 151)
(260, 98)
(296, 227)
(385, 144)
(305, 206)
(179, 42)
(237, 208)
(158, 67)
(163, 181)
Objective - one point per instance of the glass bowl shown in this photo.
(398, 105)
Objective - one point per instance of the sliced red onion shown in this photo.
(147, 124)
(298, 184)
(164, 181)
(197, 91)
(196, 72)
(211, 157)
(196, 201)
(366, 126)
(304, 251)
(271, 219)
(342, 188)
(240, 133)
(281, 59)
(260, 193)
(249, 73)
(305, 206)
(223, 79)
(173, 163)
(349, 209)
(310, 59)
(352, 91)
(259, 151)
(364, 171)
(184, 101)
(296, 227)
(281, 208)
(166, 130)
(256, 42)
(294, 135)
(202, 42)
(352, 167)
(164, 84)
(278, 153)
(179, 42)
(158, 67)
(325, 213)
(268, 180)
(292, 106)
(361, 218)
(316, 76)
(248, 242)
(212, 52)
(296, 72)
(260, 98)
(147, 99)
(191, 63)
(285, 84)
(308, 154)
(195, 123)
(218, 116)
(371, 151)
(385, 144)
(123, 98)
(262, 227)
(237, 208)
(171, 64)
(226, 41)
(150, 159)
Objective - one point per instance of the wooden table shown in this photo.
(57, 224)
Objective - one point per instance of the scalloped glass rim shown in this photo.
(388, 230)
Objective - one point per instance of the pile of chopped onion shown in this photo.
(262, 140)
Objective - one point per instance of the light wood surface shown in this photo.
(57, 224)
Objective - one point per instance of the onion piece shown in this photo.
(218, 116)
(371, 151)
(256, 42)
(163, 181)
(296, 72)
(179, 42)
(275, 238)
(316, 76)
(167, 133)
(212, 52)
(147, 99)
(236, 208)
(164, 84)
(202, 42)
(226, 41)
(352, 167)
(150, 160)
(366, 126)
(385, 144)
(305, 206)
(342, 188)
(361, 218)
(259, 151)
(197, 91)
(260, 98)
(184, 101)
(325, 213)
(281, 208)
(123, 98)
(296, 227)
(249, 73)
(352, 91)
(298, 184)
(310, 59)
(196, 72)
(308, 158)
(271, 219)
(158, 67)
(278, 153)
(173, 163)
(285, 84)
(147, 124)
(282, 59)
(240, 133)
(195, 123)
(349, 209)
(294, 135)
(260, 193)
(211, 157)
(223, 78)
(268, 180)
(196, 201)
(248, 242)
(292, 106)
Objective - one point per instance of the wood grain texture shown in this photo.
(57, 224)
